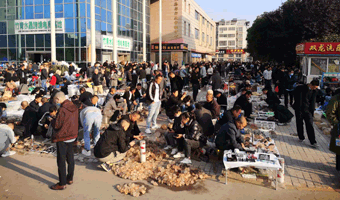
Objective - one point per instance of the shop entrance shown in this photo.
(38, 57)
(124, 57)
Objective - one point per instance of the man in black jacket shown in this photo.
(71, 69)
(113, 145)
(229, 136)
(272, 100)
(291, 80)
(174, 100)
(203, 117)
(85, 97)
(133, 131)
(176, 82)
(304, 106)
(195, 81)
(245, 104)
(35, 104)
(216, 80)
(130, 98)
(97, 82)
(228, 115)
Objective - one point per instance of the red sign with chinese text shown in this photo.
(318, 48)
(235, 51)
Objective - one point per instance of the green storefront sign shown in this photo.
(38, 26)
(123, 44)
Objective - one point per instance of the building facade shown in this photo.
(25, 30)
(188, 33)
(231, 40)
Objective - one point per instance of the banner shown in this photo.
(318, 48)
(38, 26)
(170, 47)
(123, 44)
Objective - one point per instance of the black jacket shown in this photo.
(222, 100)
(22, 75)
(226, 117)
(216, 81)
(290, 82)
(242, 101)
(229, 137)
(44, 108)
(272, 99)
(35, 106)
(44, 74)
(133, 128)
(176, 83)
(127, 95)
(151, 92)
(142, 74)
(139, 95)
(96, 78)
(304, 99)
(173, 101)
(203, 117)
(213, 107)
(112, 140)
(85, 98)
(193, 131)
(195, 78)
(71, 69)
(59, 79)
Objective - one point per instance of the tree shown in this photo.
(274, 35)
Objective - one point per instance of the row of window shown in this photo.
(227, 43)
(203, 37)
(204, 21)
(227, 35)
(231, 29)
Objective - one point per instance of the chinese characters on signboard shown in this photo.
(171, 46)
(123, 44)
(231, 51)
(38, 26)
(318, 48)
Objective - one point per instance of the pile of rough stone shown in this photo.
(134, 189)
(157, 167)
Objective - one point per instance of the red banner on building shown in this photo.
(318, 48)
(235, 51)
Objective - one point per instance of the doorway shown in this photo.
(38, 57)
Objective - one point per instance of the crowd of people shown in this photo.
(111, 127)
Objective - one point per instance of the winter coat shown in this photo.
(142, 74)
(35, 106)
(333, 116)
(66, 122)
(133, 128)
(112, 140)
(176, 83)
(110, 108)
(304, 99)
(213, 107)
(193, 131)
(53, 80)
(151, 93)
(229, 137)
(22, 74)
(114, 80)
(44, 74)
(216, 81)
(203, 117)
(291, 80)
(97, 79)
(272, 100)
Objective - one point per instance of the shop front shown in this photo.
(317, 58)
(171, 52)
(124, 48)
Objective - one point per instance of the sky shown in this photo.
(241, 9)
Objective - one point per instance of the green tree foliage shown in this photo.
(274, 35)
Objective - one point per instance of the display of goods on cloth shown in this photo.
(134, 189)
(156, 167)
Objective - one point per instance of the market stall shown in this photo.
(317, 58)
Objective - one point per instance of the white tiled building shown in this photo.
(231, 39)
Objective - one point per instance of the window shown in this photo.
(238, 55)
(240, 29)
(232, 29)
(196, 15)
(185, 28)
(203, 21)
(223, 29)
(222, 43)
(211, 40)
(231, 55)
(316, 64)
(231, 35)
(185, 5)
(231, 43)
(203, 37)
(189, 30)
(223, 35)
(196, 33)
(208, 39)
(333, 65)
(189, 8)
